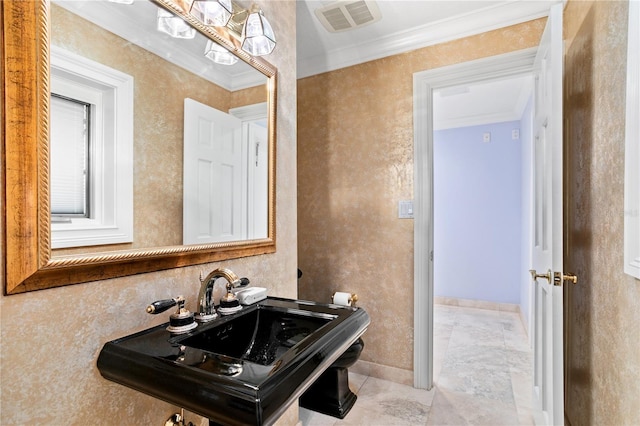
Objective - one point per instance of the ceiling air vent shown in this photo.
(346, 15)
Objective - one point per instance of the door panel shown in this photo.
(548, 388)
(258, 188)
(213, 176)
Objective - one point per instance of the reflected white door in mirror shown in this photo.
(225, 192)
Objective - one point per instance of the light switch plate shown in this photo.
(405, 209)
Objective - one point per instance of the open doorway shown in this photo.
(482, 144)
(426, 85)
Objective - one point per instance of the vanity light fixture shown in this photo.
(212, 12)
(249, 26)
(257, 35)
(173, 25)
(219, 54)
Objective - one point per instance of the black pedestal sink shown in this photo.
(245, 368)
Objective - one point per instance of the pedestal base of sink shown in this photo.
(330, 394)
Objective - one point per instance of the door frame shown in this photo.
(424, 83)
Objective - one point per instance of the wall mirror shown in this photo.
(167, 74)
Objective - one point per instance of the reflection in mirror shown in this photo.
(160, 87)
(194, 179)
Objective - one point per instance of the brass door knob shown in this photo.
(559, 278)
(535, 275)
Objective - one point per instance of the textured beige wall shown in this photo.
(50, 339)
(250, 96)
(603, 310)
(355, 162)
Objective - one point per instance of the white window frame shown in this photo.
(632, 148)
(111, 192)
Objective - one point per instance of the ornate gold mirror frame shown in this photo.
(28, 263)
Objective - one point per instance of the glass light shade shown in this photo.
(174, 26)
(257, 35)
(219, 54)
(212, 12)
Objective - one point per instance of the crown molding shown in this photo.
(477, 22)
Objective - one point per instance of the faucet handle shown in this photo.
(162, 305)
(180, 321)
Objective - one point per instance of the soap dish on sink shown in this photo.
(251, 295)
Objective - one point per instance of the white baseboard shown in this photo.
(385, 372)
(478, 304)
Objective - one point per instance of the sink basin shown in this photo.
(245, 368)
(261, 336)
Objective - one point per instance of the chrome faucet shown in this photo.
(206, 307)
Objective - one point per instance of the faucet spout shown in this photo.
(206, 307)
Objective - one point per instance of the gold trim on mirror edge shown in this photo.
(28, 264)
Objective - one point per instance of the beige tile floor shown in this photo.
(482, 372)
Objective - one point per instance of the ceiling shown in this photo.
(407, 25)
(404, 25)
(481, 103)
(136, 23)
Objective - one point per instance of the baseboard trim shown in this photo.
(385, 372)
(478, 304)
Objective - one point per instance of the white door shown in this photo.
(214, 187)
(547, 268)
(258, 185)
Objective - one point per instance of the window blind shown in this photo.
(69, 162)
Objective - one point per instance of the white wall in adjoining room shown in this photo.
(478, 218)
